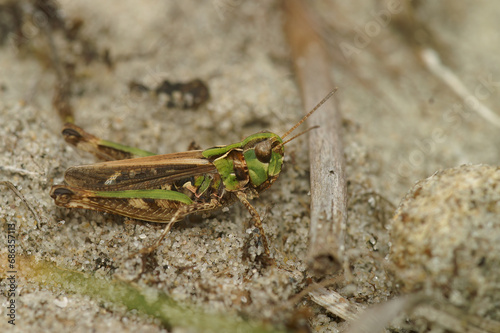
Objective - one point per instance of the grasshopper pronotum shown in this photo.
(166, 188)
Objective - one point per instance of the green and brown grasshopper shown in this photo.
(166, 188)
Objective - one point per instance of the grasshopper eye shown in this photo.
(263, 151)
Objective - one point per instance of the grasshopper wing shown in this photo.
(139, 173)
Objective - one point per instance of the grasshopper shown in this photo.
(166, 188)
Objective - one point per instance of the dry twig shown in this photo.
(14, 189)
(328, 188)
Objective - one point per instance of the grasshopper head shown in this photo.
(264, 157)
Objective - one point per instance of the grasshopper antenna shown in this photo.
(296, 136)
(308, 114)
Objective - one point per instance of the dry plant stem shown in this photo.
(430, 49)
(376, 318)
(14, 189)
(336, 304)
(455, 320)
(328, 186)
(433, 62)
(447, 316)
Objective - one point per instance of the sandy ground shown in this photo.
(401, 124)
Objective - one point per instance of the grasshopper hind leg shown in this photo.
(102, 149)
